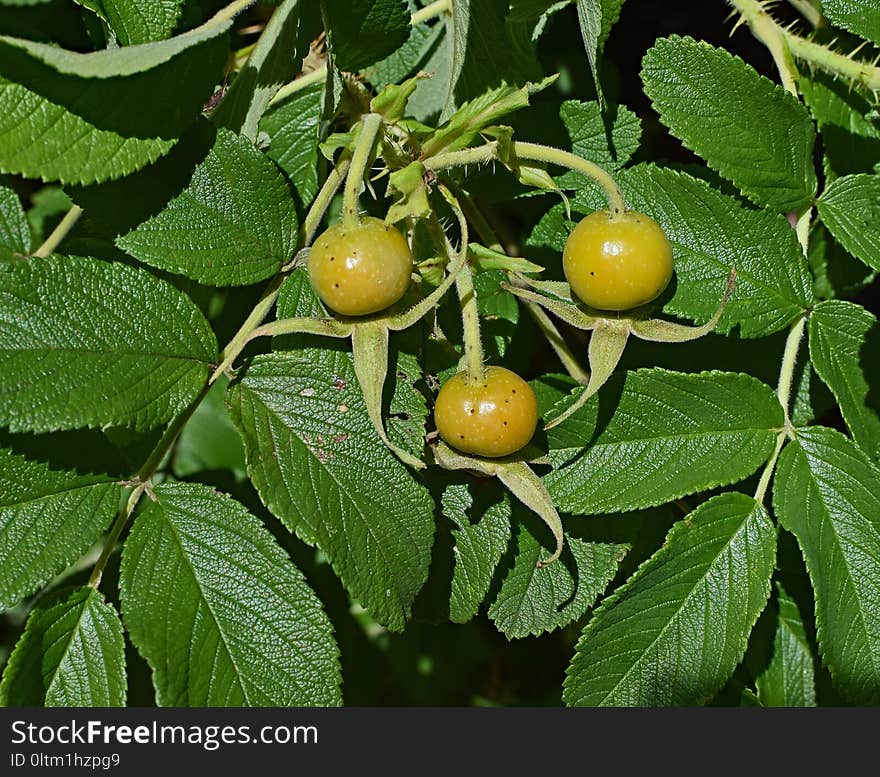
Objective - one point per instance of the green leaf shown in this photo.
(596, 18)
(586, 128)
(138, 21)
(293, 127)
(364, 31)
(827, 493)
(210, 441)
(48, 206)
(711, 232)
(837, 273)
(274, 61)
(838, 351)
(219, 611)
(86, 343)
(789, 680)
(409, 58)
(667, 434)
(674, 632)
(482, 521)
(746, 127)
(481, 52)
(48, 519)
(320, 466)
(861, 17)
(850, 140)
(231, 221)
(71, 654)
(15, 235)
(81, 118)
(535, 600)
(850, 208)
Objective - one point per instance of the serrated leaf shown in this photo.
(364, 31)
(86, 343)
(274, 60)
(408, 58)
(861, 17)
(293, 127)
(82, 118)
(48, 519)
(850, 208)
(838, 332)
(827, 493)
(219, 611)
(710, 232)
(674, 632)
(746, 127)
(850, 140)
(71, 654)
(596, 18)
(15, 235)
(665, 435)
(586, 128)
(320, 466)
(138, 21)
(836, 273)
(535, 600)
(789, 680)
(481, 46)
(230, 222)
(482, 519)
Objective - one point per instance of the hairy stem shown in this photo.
(537, 153)
(765, 29)
(115, 533)
(764, 482)
(437, 8)
(60, 232)
(470, 320)
(231, 11)
(297, 85)
(809, 10)
(789, 362)
(371, 123)
(322, 200)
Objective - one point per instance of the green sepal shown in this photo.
(520, 480)
(483, 259)
(408, 184)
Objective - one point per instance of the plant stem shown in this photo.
(298, 84)
(809, 11)
(789, 361)
(60, 232)
(487, 234)
(764, 482)
(115, 532)
(785, 45)
(230, 11)
(437, 8)
(371, 123)
(537, 153)
(470, 321)
(322, 200)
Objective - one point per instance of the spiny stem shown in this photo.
(60, 232)
(809, 11)
(785, 45)
(371, 123)
(789, 362)
(537, 153)
(437, 8)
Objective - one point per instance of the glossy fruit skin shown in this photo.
(494, 417)
(360, 270)
(619, 264)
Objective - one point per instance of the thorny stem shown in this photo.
(809, 11)
(60, 232)
(537, 153)
(785, 45)
(371, 123)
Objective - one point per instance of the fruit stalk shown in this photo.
(371, 123)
